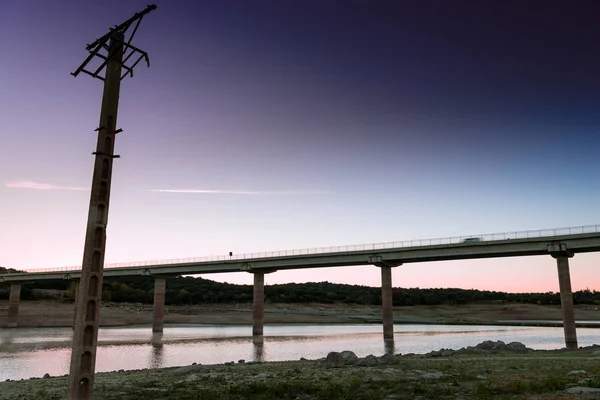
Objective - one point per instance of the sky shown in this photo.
(272, 125)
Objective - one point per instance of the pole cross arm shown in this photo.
(117, 33)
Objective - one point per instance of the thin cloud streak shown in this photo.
(41, 186)
(239, 192)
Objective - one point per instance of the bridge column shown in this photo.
(13, 304)
(387, 305)
(158, 319)
(258, 299)
(258, 305)
(566, 297)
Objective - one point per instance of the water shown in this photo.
(32, 352)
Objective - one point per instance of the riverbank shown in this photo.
(490, 370)
(57, 313)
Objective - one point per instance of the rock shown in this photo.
(486, 345)
(472, 350)
(431, 375)
(368, 361)
(241, 361)
(577, 372)
(389, 359)
(491, 345)
(335, 359)
(582, 390)
(46, 375)
(516, 346)
(184, 370)
(349, 357)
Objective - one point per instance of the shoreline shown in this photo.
(58, 313)
(488, 370)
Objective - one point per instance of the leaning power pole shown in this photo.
(114, 51)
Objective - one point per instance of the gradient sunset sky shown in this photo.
(273, 125)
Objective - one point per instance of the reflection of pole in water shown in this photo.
(157, 356)
(389, 346)
(259, 349)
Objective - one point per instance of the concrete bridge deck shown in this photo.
(561, 244)
(341, 256)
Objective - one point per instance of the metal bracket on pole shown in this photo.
(112, 132)
(101, 44)
(104, 154)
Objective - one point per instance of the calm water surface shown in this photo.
(32, 352)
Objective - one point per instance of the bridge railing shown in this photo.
(344, 249)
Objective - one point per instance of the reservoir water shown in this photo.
(32, 352)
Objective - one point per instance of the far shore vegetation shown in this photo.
(190, 290)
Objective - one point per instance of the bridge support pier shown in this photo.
(258, 302)
(387, 305)
(158, 318)
(566, 298)
(13, 304)
(258, 305)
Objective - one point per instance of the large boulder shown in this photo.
(335, 359)
(491, 345)
(516, 346)
(389, 359)
(368, 361)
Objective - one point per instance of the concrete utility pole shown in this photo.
(89, 293)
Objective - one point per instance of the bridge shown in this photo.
(560, 243)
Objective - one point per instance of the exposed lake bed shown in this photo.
(504, 373)
(56, 313)
(308, 331)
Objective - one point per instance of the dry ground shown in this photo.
(58, 313)
(504, 375)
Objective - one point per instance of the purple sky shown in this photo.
(347, 121)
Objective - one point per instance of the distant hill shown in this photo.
(189, 290)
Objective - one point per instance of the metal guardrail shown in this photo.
(343, 249)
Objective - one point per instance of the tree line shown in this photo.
(190, 290)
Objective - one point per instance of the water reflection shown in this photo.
(156, 340)
(389, 346)
(157, 354)
(259, 348)
(32, 352)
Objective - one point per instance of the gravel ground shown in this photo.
(482, 372)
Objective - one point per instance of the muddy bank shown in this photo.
(57, 313)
